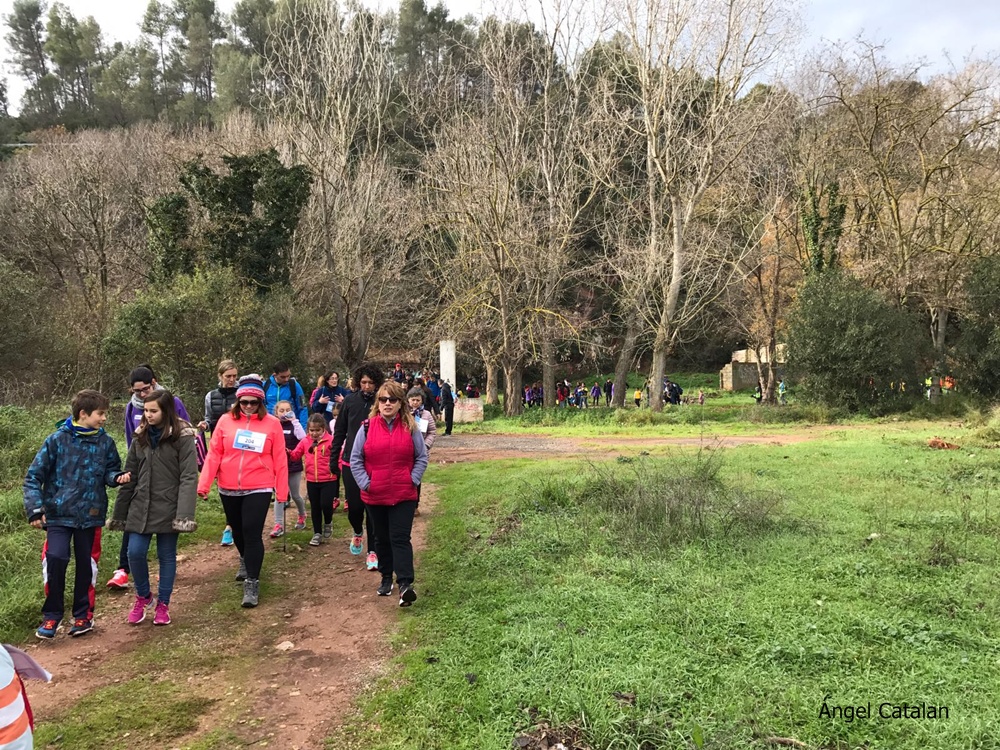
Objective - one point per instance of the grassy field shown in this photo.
(856, 570)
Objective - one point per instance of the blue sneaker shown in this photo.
(227, 538)
(47, 630)
(356, 541)
(372, 561)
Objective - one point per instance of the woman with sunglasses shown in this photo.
(388, 461)
(247, 456)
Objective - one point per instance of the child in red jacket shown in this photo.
(322, 486)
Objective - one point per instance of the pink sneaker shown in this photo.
(277, 531)
(138, 613)
(162, 616)
(372, 561)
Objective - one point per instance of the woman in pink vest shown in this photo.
(388, 461)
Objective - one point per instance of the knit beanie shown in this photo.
(251, 386)
(414, 391)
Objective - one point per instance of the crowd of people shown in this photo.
(259, 438)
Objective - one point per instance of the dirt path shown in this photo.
(322, 601)
(458, 448)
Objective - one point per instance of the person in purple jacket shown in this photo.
(142, 382)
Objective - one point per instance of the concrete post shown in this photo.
(448, 373)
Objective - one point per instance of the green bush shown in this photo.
(977, 352)
(186, 328)
(848, 344)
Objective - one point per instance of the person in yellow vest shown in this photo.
(16, 724)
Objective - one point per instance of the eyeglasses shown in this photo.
(247, 402)
(388, 400)
(142, 391)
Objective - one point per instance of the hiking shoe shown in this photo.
(407, 595)
(138, 613)
(81, 626)
(227, 538)
(300, 524)
(119, 580)
(327, 530)
(316, 540)
(251, 592)
(162, 616)
(47, 630)
(277, 531)
(356, 541)
(241, 574)
(372, 561)
(385, 588)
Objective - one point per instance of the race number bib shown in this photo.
(250, 441)
(421, 424)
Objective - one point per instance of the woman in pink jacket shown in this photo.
(248, 457)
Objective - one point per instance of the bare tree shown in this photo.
(689, 65)
(330, 85)
(921, 165)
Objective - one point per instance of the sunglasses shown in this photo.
(388, 400)
(246, 402)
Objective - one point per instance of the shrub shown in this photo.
(977, 352)
(848, 344)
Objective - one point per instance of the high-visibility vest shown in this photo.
(15, 719)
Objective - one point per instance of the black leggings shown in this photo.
(321, 497)
(246, 515)
(393, 525)
(356, 514)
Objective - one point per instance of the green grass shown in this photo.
(534, 606)
(141, 712)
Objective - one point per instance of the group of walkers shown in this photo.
(259, 437)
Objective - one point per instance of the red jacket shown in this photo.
(262, 463)
(316, 462)
(389, 460)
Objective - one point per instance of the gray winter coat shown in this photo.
(161, 494)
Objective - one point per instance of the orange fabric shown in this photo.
(9, 694)
(14, 731)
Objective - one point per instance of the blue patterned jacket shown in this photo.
(67, 481)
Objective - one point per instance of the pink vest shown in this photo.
(388, 461)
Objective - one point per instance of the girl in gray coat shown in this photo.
(158, 498)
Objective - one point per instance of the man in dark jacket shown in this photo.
(447, 406)
(354, 410)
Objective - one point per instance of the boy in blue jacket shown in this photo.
(65, 494)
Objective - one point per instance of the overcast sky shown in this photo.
(910, 29)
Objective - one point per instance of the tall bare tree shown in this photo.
(689, 65)
(329, 67)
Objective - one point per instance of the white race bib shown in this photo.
(421, 424)
(250, 441)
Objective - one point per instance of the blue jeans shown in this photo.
(166, 551)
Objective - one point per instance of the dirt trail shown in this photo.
(322, 601)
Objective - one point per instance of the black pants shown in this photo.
(123, 553)
(393, 524)
(54, 565)
(356, 510)
(449, 418)
(246, 515)
(321, 497)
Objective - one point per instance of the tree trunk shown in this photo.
(548, 368)
(659, 371)
(513, 389)
(624, 362)
(939, 334)
(491, 383)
